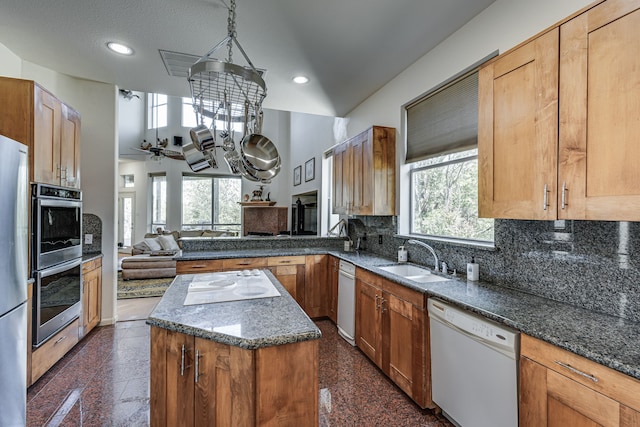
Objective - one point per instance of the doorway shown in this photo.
(126, 218)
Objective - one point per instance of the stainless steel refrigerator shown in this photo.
(14, 230)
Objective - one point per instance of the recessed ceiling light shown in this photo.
(301, 80)
(120, 48)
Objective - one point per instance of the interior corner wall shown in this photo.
(97, 104)
(311, 136)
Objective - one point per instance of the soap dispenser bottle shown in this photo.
(473, 271)
(402, 254)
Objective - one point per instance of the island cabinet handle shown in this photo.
(59, 340)
(245, 263)
(382, 301)
(577, 371)
(199, 266)
(197, 364)
(377, 303)
(182, 361)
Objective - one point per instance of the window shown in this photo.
(211, 203)
(442, 135)
(189, 119)
(156, 111)
(127, 181)
(158, 201)
(445, 198)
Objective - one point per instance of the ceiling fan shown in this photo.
(158, 151)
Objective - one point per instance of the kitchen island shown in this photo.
(240, 363)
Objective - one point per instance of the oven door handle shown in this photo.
(58, 268)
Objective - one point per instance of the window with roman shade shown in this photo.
(445, 120)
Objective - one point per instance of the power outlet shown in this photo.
(379, 239)
(88, 239)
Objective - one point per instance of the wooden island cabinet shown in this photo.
(213, 365)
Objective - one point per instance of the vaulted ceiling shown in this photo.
(348, 48)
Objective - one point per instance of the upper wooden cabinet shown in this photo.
(364, 173)
(518, 132)
(558, 121)
(599, 110)
(50, 128)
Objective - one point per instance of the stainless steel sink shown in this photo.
(413, 272)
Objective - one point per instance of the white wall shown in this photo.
(503, 25)
(10, 63)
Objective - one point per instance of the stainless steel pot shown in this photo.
(259, 152)
(196, 160)
(202, 138)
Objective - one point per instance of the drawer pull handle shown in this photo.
(59, 340)
(577, 371)
(545, 203)
(285, 261)
(199, 266)
(245, 263)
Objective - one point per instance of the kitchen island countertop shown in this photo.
(248, 324)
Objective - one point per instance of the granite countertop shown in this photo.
(599, 337)
(91, 256)
(248, 324)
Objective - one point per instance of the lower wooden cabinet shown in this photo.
(198, 266)
(45, 356)
(560, 388)
(198, 382)
(91, 295)
(392, 329)
(316, 286)
(334, 265)
(290, 272)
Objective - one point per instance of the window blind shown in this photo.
(445, 120)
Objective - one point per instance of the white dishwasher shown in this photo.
(474, 367)
(347, 301)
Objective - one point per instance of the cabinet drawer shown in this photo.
(402, 292)
(243, 263)
(198, 266)
(285, 260)
(53, 350)
(372, 279)
(91, 265)
(614, 384)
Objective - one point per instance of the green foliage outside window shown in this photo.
(445, 198)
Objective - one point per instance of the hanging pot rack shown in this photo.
(229, 93)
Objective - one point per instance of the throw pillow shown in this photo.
(142, 247)
(153, 243)
(168, 243)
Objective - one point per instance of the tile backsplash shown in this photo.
(589, 264)
(91, 224)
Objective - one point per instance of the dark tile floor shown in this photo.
(104, 381)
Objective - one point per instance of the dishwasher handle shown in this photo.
(345, 274)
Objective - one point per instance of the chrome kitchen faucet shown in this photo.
(424, 245)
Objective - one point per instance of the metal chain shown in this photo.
(231, 29)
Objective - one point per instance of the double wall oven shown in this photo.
(56, 258)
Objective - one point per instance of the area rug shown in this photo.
(141, 288)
